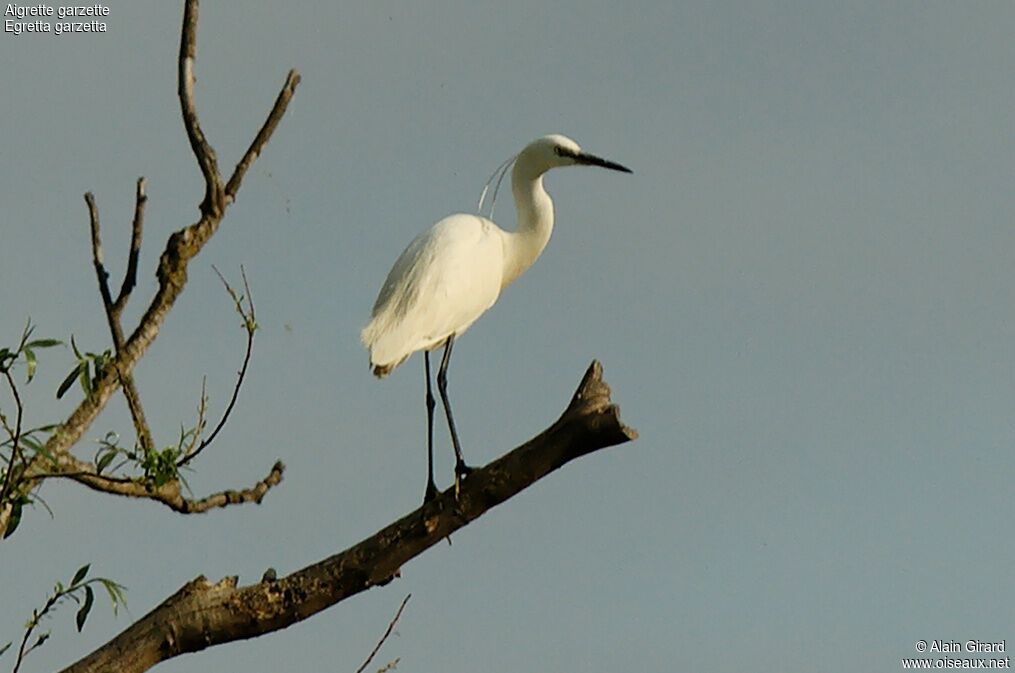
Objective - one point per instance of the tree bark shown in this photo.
(202, 614)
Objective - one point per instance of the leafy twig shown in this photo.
(16, 437)
(80, 591)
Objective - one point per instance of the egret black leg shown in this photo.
(461, 469)
(431, 487)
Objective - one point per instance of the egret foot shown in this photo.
(431, 492)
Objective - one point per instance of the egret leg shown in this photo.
(461, 469)
(431, 487)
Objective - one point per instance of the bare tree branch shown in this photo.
(212, 204)
(202, 614)
(130, 391)
(130, 276)
(169, 494)
(100, 270)
(181, 247)
(262, 137)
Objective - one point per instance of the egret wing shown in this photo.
(443, 281)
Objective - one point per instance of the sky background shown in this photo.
(803, 301)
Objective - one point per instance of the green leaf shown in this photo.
(86, 381)
(68, 382)
(104, 460)
(115, 592)
(43, 343)
(12, 523)
(30, 363)
(5, 648)
(83, 612)
(80, 574)
(74, 346)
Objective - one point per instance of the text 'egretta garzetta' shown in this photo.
(454, 271)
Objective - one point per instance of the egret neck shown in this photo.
(535, 221)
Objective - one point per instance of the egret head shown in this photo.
(539, 156)
(556, 150)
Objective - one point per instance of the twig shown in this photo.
(261, 139)
(250, 325)
(61, 593)
(16, 456)
(202, 422)
(387, 633)
(130, 391)
(100, 270)
(36, 616)
(137, 225)
(15, 435)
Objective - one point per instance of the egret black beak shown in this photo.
(592, 160)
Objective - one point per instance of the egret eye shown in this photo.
(562, 151)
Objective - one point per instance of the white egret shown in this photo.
(453, 272)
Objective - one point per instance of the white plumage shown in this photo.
(447, 277)
(453, 272)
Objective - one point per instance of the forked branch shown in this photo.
(202, 614)
(172, 270)
(113, 309)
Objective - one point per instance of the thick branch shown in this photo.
(202, 614)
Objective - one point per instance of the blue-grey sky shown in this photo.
(803, 300)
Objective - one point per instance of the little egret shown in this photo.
(454, 271)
